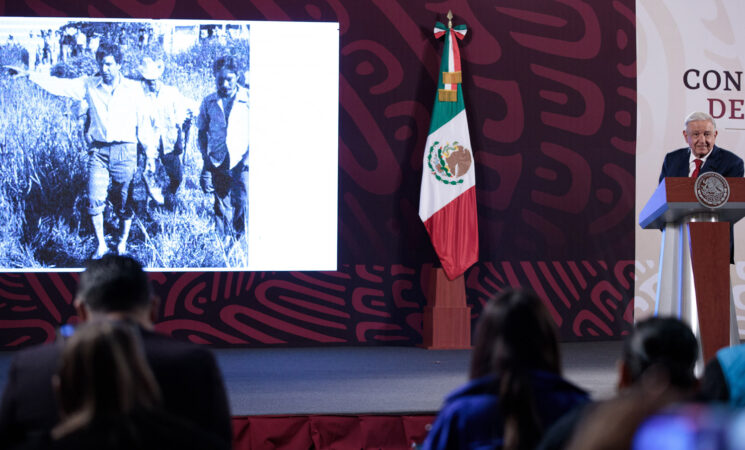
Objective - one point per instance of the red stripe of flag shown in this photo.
(454, 233)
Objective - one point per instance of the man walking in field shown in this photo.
(223, 141)
(171, 114)
(117, 117)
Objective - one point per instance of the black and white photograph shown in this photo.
(141, 137)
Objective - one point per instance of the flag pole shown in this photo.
(448, 193)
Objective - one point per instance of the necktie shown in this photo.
(698, 163)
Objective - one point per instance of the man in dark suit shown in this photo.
(116, 288)
(701, 156)
(701, 134)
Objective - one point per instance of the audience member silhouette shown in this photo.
(516, 389)
(656, 368)
(612, 424)
(108, 397)
(724, 377)
(116, 288)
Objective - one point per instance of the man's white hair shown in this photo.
(699, 115)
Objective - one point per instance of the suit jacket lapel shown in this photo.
(681, 166)
(712, 162)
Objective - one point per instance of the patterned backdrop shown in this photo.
(550, 89)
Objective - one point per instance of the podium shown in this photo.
(693, 281)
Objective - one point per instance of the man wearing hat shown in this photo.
(171, 114)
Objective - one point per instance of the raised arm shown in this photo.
(63, 87)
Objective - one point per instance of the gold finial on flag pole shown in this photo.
(450, 19)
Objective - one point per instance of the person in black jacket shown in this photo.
(108, 397)
(116, 288)
(702, 155)
(700, 134)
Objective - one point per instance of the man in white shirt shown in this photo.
(171, 114)
(116, 110)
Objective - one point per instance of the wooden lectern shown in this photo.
(693, 282)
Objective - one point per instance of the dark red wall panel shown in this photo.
(550, 91)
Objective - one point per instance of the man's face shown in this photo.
(152, 85)
(227, 82)
(700, 136)
(109, 69)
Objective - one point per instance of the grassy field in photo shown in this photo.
(43, 219)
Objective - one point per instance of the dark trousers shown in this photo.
(230, 188)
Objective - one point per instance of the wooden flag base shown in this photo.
(447, 319)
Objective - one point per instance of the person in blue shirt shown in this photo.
(516, 389)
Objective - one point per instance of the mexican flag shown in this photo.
(447, 203)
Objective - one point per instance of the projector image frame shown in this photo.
(58, 148)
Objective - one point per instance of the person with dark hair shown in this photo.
(117, 117)
(46, 55)
(516, 390)
(108, 48)
(223, 141)
(108, 397)
(724, 377)
(660, 352)
(115, 288)
(663, 344)
(102, 372)
(114, 285)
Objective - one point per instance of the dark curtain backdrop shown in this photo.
(550, 91)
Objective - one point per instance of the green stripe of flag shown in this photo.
(442, 112)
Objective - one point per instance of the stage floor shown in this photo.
(371, 380)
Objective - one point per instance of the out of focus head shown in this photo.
(664, 345)
(103, 372)
(515, 331)
(115, 284)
